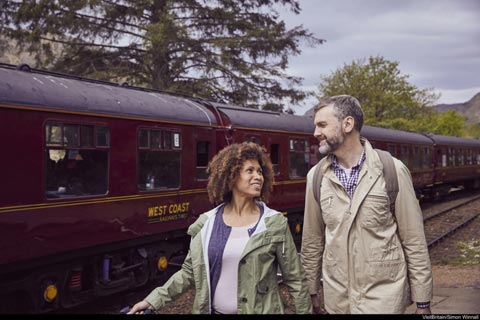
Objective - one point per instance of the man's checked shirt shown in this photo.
(349, 183)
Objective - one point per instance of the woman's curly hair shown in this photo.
(225, 168)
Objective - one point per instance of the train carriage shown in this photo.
(456, 163)
(96, 179)
(414, 149)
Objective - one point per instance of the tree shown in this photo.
(449, 123)
(225, 50)
(472, 130)
(385, 94)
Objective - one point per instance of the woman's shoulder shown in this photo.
(274, 217)
(195, 227)
(201, 220)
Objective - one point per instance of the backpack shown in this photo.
(391, 180)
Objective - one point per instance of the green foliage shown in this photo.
(469, 252)
(472, 130)
(232, 51)
(386, 96)
(449, 123)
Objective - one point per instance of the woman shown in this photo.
(236, 248)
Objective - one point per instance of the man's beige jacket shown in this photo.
(370, 260)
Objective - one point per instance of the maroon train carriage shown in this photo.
(101, 181)
(456, 162)
(96, 179)
(414, 149)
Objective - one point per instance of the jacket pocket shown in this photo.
(387, 271)
(329, 214)
(268, 298)
(374, 211)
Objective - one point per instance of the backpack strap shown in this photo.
(390, 175)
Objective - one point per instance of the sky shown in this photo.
(435, 42)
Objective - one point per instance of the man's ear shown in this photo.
(348, 124)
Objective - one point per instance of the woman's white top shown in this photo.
(225, 299)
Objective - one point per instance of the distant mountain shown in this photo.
(469, 109)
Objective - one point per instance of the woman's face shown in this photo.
(250, 180)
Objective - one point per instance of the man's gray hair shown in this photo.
(344, 106)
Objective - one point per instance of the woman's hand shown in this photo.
(140, 307)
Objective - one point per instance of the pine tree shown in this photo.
(226, 50)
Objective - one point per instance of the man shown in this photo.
(371, 261)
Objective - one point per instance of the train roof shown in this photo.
(267, 120)
(50, 91)
(454, 141)
(391, 135)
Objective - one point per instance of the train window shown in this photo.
(53, 134)
(86, 139)
(103, 137)
(299, 158)
(70, 135)
(143, 139)
(460, 158)
(203, 148)
(451, 157)
(254, 139)
(75, 166)
(444, 157)
(168, 140)
(427, 158)
(392, 149)
(404, 155)
(275, 156)
(156, 140)
(469, 157)
(416, 158)
(159, 160)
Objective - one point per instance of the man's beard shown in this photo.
(331, 146)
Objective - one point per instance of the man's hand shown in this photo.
(317, 305)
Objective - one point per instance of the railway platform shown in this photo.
(453, 301)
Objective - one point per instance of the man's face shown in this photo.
(328, 130)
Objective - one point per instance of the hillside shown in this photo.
(469, 109)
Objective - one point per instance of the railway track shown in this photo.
(442, 223)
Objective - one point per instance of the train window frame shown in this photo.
(202, 159)
(253, 138)
(469, 157)
(392, 148)
(405, 154)
(426, 158)
(451, 157)
(298, 147)
(158, 164)
(275, 158)
(76, 169)
(443, 156)
(460, 157)
(416, 158)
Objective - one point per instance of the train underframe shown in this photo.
(68, 283)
